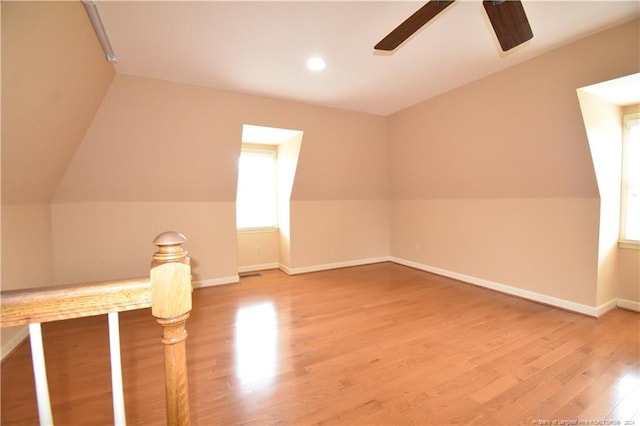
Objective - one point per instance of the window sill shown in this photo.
(258, 230)
(629, 244)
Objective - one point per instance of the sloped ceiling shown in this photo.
(54, 76)
(261, 47)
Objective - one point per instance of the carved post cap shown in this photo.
(170, 238)
(170, 248)
(170, 277)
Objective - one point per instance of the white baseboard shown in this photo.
(216, 281)
(327, 266)
(628, 304)
(285, 269)
(503, 288)
(15, 341)
(262, 267)
(606, 307)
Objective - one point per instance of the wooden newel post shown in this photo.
(171, 305)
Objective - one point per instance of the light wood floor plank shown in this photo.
(377, 344)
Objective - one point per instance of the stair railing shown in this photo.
(167, 292)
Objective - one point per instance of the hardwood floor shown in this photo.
(377, 344)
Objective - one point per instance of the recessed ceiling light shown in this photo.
(316, 63)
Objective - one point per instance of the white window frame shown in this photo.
(629, 120)
(270, 149)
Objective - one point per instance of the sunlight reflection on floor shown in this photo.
(256, 346)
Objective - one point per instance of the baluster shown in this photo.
(40, 375)
(171, 305)
(119, 414)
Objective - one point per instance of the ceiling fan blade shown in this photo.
(509, 21)
(412, 24)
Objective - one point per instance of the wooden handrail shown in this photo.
(167, 292)
(21, 307)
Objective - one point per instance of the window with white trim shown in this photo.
(630, 188)
(257, 197)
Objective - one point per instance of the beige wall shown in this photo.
(516, 133)
(338, 232)
(54, 76)
(258, 250)
(159, 142)
(603, 122)
(323, 234)
(495, 179)
(629, 275)
(27, 243)
(112, 240)
(542, 245)
(27, 251)
(154, 140)
(288, 157)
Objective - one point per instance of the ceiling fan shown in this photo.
(507, 17)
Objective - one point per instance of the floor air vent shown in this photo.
(249, 275)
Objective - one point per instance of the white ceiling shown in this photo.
(267, 135)
(262, 47)
(622, 91)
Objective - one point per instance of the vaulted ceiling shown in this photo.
(262, 47)
(54, 75)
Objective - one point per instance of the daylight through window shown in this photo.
(630, 196)
(256, 202)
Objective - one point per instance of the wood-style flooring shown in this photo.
(377, 344)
